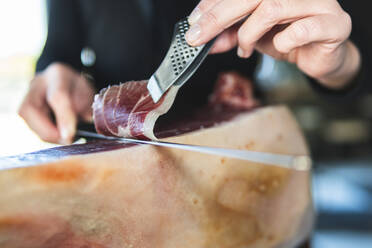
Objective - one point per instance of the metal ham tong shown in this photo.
(180, 63)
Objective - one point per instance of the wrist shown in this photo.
(346, 72)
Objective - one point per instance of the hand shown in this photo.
(313, 34)
(65, 93)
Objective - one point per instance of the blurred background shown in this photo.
(340, 136)
(23, 33)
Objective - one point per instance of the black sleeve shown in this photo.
(64, 40)
(361, 36)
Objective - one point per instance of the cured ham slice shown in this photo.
(127, 110)
(106, 194)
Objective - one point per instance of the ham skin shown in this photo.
(108, 194)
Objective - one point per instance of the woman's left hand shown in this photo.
(313, 34)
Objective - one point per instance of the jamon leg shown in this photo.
(144, 196)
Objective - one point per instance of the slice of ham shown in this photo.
(127, 110)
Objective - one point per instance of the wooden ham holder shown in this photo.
(106, 194)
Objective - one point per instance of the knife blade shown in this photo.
(295, 162)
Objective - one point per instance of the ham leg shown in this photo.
(110, 195)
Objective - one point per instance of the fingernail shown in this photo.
(66, 135)
(240, 52)
(194, 16)
(193, 34)
(243, 54)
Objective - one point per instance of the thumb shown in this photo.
(61, 104)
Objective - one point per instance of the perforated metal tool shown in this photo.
(180, 63)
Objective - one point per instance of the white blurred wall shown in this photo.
(22, 27)
(22, 36)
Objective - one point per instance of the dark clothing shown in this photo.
(131, 37)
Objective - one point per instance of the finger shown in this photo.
(223, 15)
(226, 41)
(265, 44)
(59, 99)
(39, 121)
(320, 28)
(268, 14)
(202, 7)
(82, 97)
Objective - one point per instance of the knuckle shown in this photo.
(55, 97)
(60, 72)
(348, 23)
(301, 32)
(212, 18)
(56, 67)
(315, 71)
(271, 10)
(37, 84)
(204, 5)
(22, 110)
(26, 106)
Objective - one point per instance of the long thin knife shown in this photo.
(301, 163)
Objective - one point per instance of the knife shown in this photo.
(295, 162)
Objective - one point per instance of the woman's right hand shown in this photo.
(63, 92)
